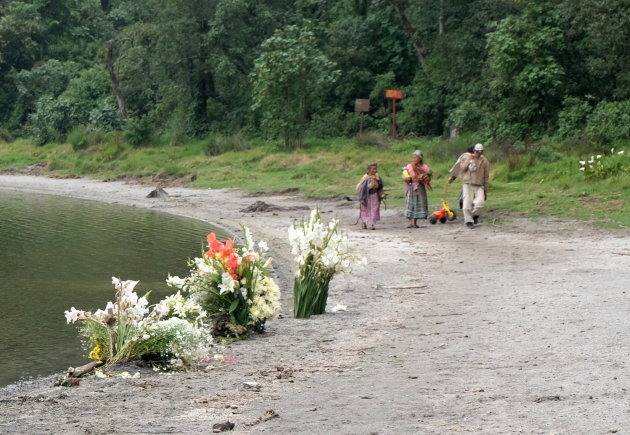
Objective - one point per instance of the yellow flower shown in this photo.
(97, 353)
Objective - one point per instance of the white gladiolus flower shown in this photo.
(73, 315)
(99, 315)
(162, 309)
(111, 309)
(249, 241)
(262, 245)
(175, 281)
(125, 287)
(130, 298)
(227, 283)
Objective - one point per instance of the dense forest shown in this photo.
(511, 71)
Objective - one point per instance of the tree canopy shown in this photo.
(508, 70)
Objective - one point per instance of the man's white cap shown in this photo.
(478, 147)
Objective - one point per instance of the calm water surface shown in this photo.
(57, 252)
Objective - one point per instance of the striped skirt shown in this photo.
(416, 203)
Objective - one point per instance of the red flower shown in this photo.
(232, 263)
(224, 252)
(217, 248)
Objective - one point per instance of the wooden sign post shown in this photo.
(394, 95)
(361, 105)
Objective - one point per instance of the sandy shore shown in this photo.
(517, 327)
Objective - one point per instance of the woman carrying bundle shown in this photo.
(417, 178)
(370, 190)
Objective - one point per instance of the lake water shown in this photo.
(57, 252)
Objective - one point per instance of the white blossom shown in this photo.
(227, 283)
(73, 315)
(262, 245)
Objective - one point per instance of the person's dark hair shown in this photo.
(370, 165)
(471, 149)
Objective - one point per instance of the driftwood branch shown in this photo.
(77, 372)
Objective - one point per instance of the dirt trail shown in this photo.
(517, 327)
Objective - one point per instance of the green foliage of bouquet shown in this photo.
(171, 331)
(233, 282)
(602, 166)
(320, 251)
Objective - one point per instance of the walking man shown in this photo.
(474, 170)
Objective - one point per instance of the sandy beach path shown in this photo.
(517, 326)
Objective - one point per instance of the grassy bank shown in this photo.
(550, 184)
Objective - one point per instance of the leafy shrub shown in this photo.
(82, 137)
(465, 118)
(5, 135)
(138, 131)
(78, 138)
(334, 123)
(421, 111)
(106, 117)
(609, 122)
(572, 119)
(52, 120)
(88, 91)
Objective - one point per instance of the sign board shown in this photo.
(394, 93)
(361, 105)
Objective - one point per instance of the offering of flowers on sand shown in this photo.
(170, 332)
(320, 251)
(233, 283)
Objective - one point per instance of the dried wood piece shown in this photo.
(77, 372)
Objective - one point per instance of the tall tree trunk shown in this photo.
(410, 31)
(114, 79)
(441, 19)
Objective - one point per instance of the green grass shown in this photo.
(333, 167)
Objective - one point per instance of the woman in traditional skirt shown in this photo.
(417, 178)
(370, 190)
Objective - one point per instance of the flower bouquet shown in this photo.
(233, 283)
(320, 251)
(128, 329)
